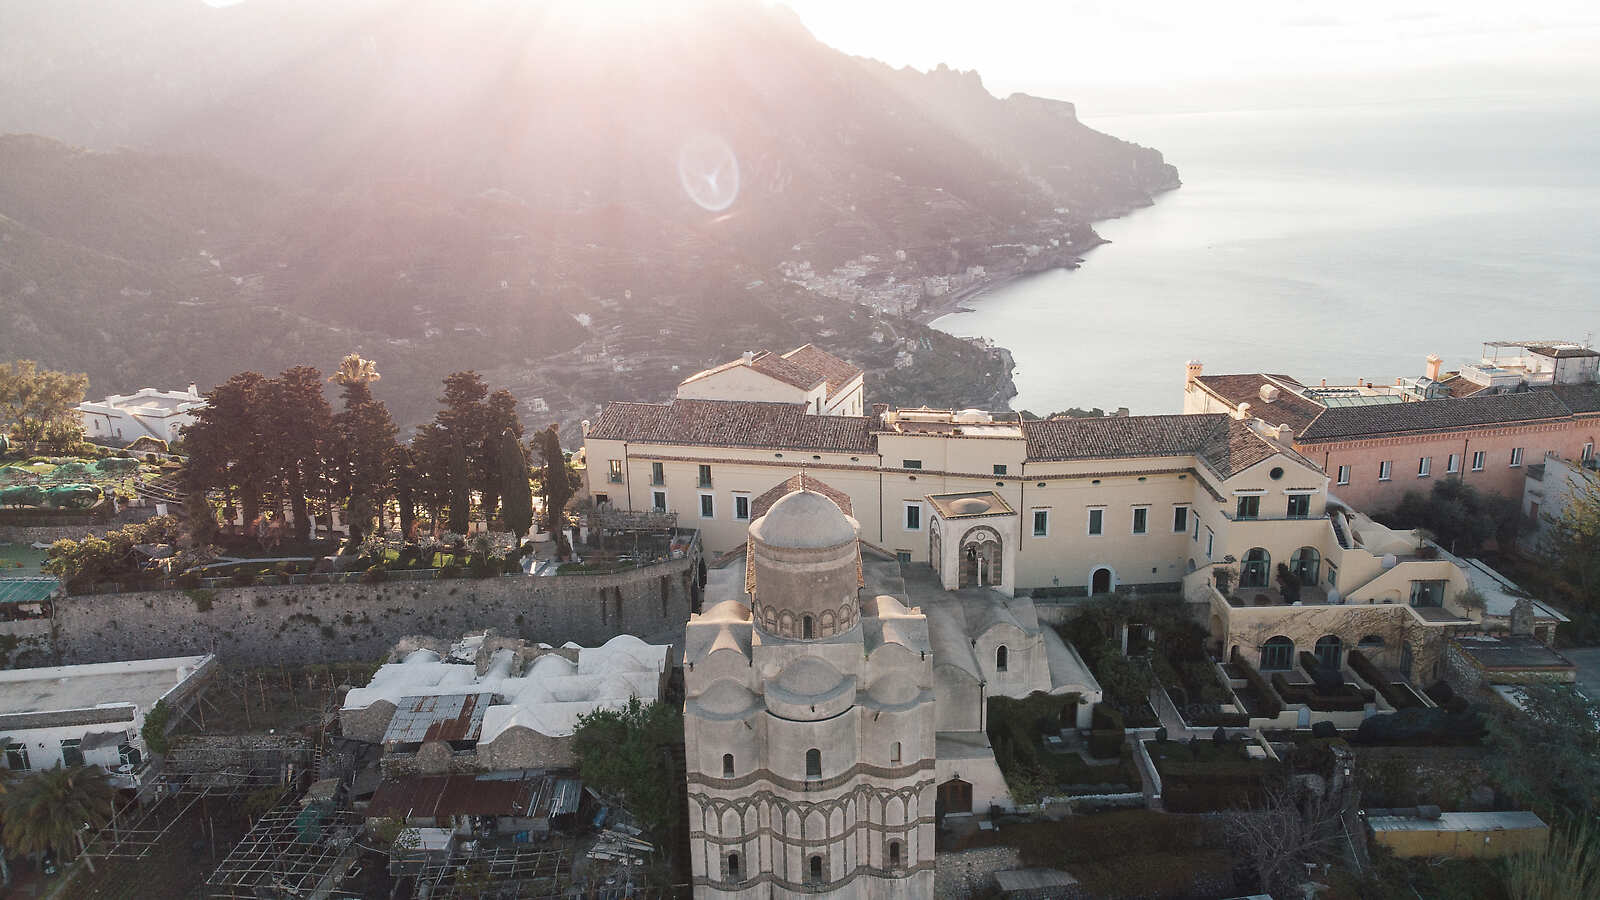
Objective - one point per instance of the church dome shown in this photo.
(970, 506)
(805, 570)
(804, 520)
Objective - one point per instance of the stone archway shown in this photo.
(1102, 581)
(978, 558)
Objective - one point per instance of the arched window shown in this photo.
(727, 765)
(1257, 569)
(1306, 564)
(1001, 658)
(815, 871)
(1329, 651)
(894, 752)
(1370, 642)
(807, 628)
(894, 854)
(1277, 654)
(813, 763)
(733, 867)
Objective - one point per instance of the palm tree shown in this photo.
(355, 370)
(46, 811)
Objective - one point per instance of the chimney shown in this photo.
(585, 426)
(1522, 617)
(1432, 370)
(1324, 382)
(1242, 413)
(748, 358)
(1192, 371)
(194, 390)
(1285, 434)
(1268, 393)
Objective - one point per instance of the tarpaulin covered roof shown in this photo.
(28, 588)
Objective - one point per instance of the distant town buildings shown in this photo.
(148, 413)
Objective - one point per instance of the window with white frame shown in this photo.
(1197, 529)
(708, 506)
(1516, 457)
(658, 473)
(658, 501)
(1097, 521)
(913, 517)
(1041, 523)
(1588, 452)
(1424, 466)
(1299, 506)
(17, 757)
(1452, 465)
(910, 463)
(1344, 475)
(614, 475)
(1478, 460)
(741, 507)
(72, 752)
(1333, 575)
(1211, 540)
(1180, 519)
(1141, 519)
(1248, 506)
(705, 476)
(1383, 470)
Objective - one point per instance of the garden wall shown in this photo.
(328, 623)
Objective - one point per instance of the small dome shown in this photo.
(970, 506)
(804, 520)
(727, 697)
(894, 689)
(808, 676)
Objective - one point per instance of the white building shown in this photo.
(826, 727)
(146, 413)
(495, 703)
(93, 714)
(811, 377)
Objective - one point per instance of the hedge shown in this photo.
(1271, 705)
(1106, 738)
(1370, 674)
(1347, 700)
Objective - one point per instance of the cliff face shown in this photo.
(585, 208)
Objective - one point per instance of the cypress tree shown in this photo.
(516, 494)
(460, 490)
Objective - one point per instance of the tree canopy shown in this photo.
(39, 405)
(45, 810)
(1460, 517)
(622, 753)
(515, 490)
(1547, 756)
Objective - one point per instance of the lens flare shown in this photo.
(709, 172)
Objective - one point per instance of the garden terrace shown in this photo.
(1133, 853)
(1398, 693)
(1202, 776)
(1021, 732)
(1199, 693)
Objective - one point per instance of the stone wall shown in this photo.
(49, 534)
(963, 874)
(327, 623)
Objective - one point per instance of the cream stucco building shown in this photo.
(1158, 504)
(826, 726)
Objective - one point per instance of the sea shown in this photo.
(1339, 242)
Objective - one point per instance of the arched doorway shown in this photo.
(1329, 651)
(1100, 582)
(955, 796)
(1306, 564)
(1257, 569)
(980, 558)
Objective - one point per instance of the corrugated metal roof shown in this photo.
(438, 796)
(28, 588)
(1460, 821)
(446, 717)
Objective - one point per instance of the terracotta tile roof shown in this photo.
(733, 423)
(1459, 387)
(800, 482)
(1289, 409)
(817, 361)
(771, 365)
(1564, 352)
(1174, 435)
(1580, 398)
(1235, 448)
(1344, 422)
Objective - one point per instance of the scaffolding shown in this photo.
(190, 779)
(291, 851)
(497, 872)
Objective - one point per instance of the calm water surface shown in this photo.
(1339, 243)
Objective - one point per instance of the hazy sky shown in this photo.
(1153, 54)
